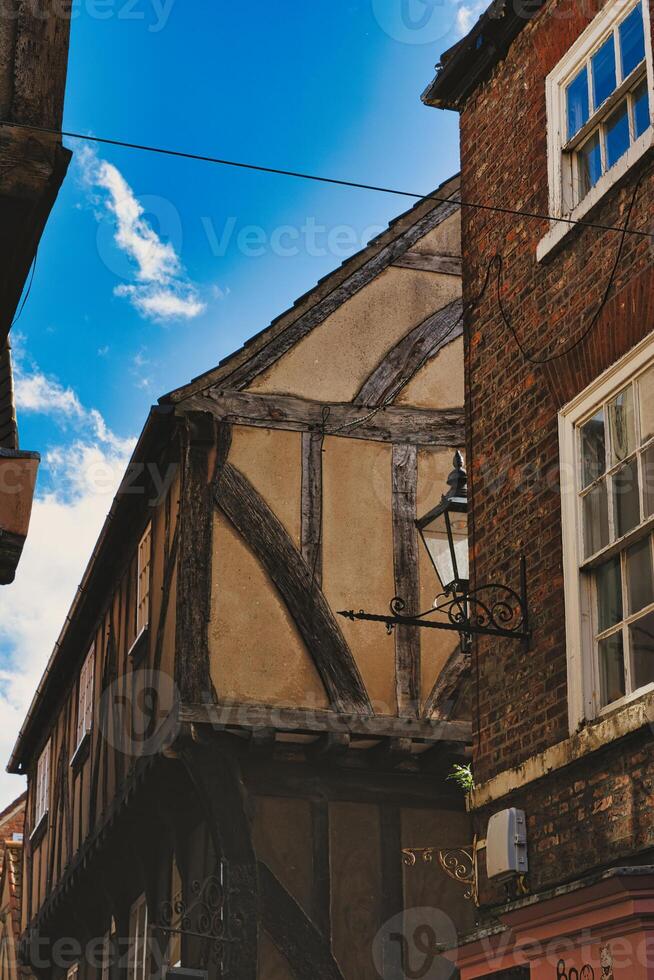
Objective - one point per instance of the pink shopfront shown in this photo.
(598, 930)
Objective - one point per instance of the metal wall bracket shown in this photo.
(458, 863)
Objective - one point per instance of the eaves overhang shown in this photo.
(469, 62)
(99, 571)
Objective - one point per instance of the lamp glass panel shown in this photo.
(459, 526)
(438, 545)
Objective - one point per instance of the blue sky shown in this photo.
(325, 87)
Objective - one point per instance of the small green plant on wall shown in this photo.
(462, 776)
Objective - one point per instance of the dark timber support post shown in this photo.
(407, 581)
(192, 674)
(216, 777)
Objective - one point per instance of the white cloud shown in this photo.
(64, 527)
(162, 290)
(35, 392)
(468, 14)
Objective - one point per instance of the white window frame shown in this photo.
(562, 183)
(85, 697)
(42, 799)
(138, 966)
(143, 573)
(583, 700)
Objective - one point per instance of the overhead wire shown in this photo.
(317, 178)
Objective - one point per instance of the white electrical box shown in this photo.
(506, 845)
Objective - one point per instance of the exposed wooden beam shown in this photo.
(311, 517)
(407, 578)
(312, 721)
(444, 263)
(447, 688)
(321, 885)
(276, 346)
(308, 952)
(192, 674)
(415, 426)
(271, 543)
(404, 360)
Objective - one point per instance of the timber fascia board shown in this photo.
(248, 717)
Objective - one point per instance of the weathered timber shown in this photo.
(407, 578)
(223, 798)
(271, 543)
(277, 344)
(169, 569)
(311, 517)
(392, 888)
(409, 354)
(321, 888)
(444, 263)
(414, 426)
(295, 936)
(192, 673)
(445, 692)
(314, 721)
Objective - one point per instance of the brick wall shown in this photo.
(513, 441)
(513, 438)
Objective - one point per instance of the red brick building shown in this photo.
(557, 106)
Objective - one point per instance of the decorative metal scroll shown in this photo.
(458, 863)
(492, 610)
(202, 917)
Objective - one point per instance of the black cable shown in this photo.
(203, 158)
(534, 359)
(27, 292)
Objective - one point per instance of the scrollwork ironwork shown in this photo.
(492, 609)
(458, 863)
(201, 917)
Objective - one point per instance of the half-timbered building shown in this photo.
(223, 772)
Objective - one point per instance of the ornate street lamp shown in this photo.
(444, 531)
(490, 610)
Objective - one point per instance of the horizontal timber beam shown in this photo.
(412, 426)
(314, 721)
(443, 263)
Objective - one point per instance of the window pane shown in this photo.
(621, 425)
(639, 576)
(632, 41)
(641, 109)
(646, 405)
(648, 481)
(617, 135)
(626, 498)
(609, 594)
(577, 100)
(603, 65)
(590, 164)
(596, 519)
(641, 637)
(593, 449)
(611, 666)
(626, 503)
